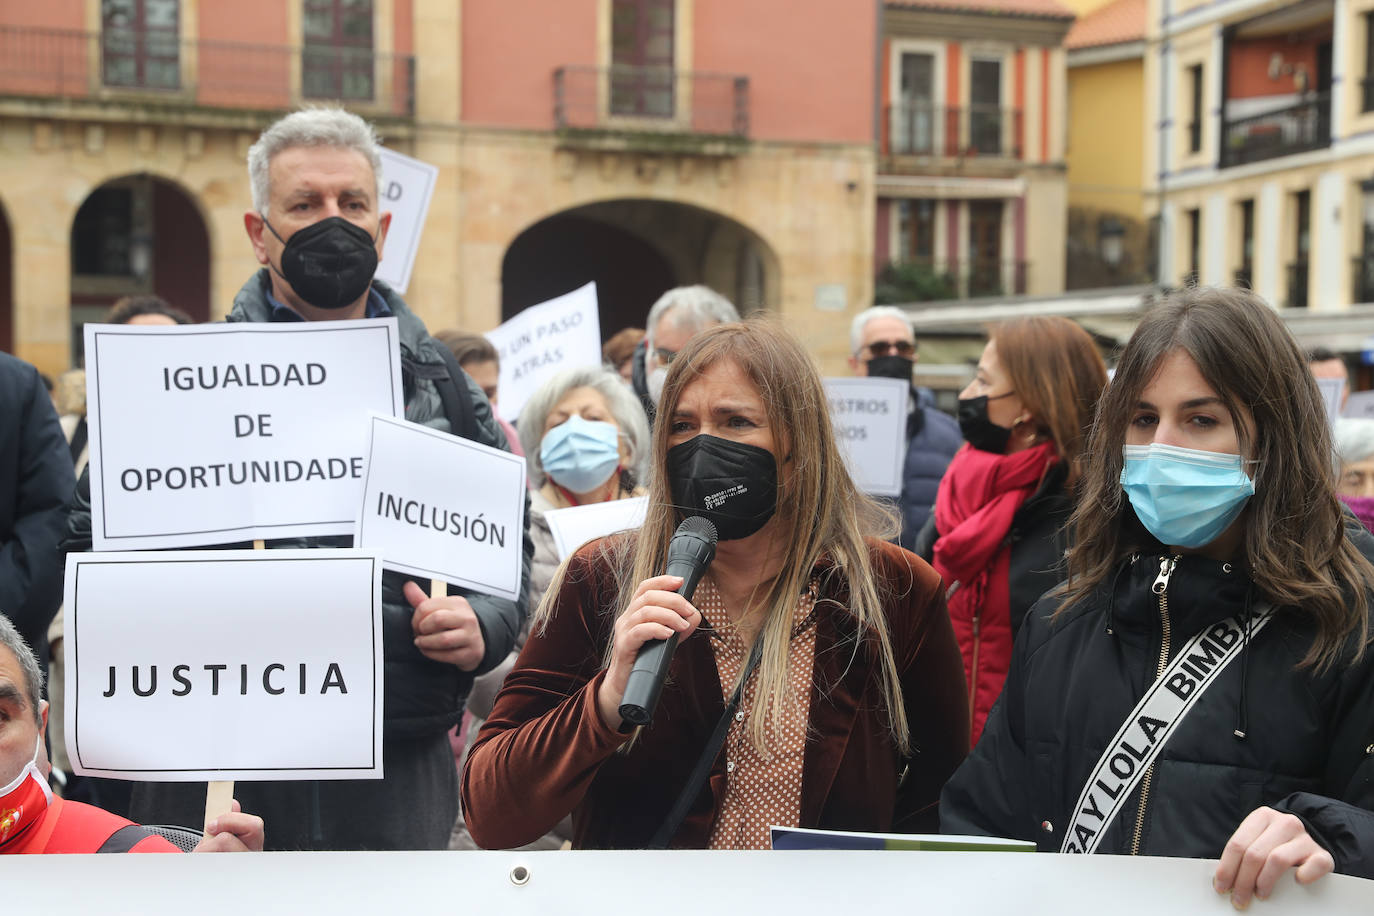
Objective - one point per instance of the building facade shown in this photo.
(971, 150)
(1109, 243)
(1262, 172)
(638, 143)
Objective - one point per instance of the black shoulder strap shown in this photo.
(124, 839)
(665, 832)
(453, 391)
(80, 436)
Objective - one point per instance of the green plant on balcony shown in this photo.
(913, 281)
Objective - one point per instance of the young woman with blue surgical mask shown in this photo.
(1202, 685)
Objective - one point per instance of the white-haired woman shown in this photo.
(1354, 441)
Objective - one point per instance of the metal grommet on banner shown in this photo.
(519, 875)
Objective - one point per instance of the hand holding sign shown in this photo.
(446, 629)
(233, 831)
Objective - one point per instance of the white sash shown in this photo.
(1150, 725)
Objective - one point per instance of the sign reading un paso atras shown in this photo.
(236, 664)
(211, 434)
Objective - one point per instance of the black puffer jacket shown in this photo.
(1309, 738)
(423, 697)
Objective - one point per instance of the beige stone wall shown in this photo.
(1046, 229)
(47, 168)
(811, 205)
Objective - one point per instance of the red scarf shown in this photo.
(978, 498)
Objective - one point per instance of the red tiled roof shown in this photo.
(1116, 23)
(1038, 9)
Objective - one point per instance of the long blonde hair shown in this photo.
(820, 513)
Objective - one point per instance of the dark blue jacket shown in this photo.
(36, 480)
(932, 439)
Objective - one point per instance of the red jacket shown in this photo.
(69, 826)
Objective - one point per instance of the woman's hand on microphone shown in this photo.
(656, 612)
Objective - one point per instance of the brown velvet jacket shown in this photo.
(545, 751)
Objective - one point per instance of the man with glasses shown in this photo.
(883, 345)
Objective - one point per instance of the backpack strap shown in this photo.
(124, 839)
(451, 382)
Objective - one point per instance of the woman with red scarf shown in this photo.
(996, 535)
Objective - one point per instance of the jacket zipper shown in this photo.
(973, 673)
(1160, 588)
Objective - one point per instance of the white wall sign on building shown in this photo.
(236, 664)
(563, 333)
(441, 507)
(575, 526)
(870, 420)
(217, 433)
(407, 187)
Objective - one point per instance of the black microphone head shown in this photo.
(698, 526)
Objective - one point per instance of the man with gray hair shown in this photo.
(317, 228)
(679, 315)
(882, 344)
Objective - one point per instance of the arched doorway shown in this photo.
(138, 235)
(6, 284)
(635, 250)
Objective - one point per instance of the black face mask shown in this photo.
(732, 485)
(978, 431)
(892, 366)
(330, 263)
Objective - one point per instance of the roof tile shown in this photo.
(1116, 23)
(1039, 9)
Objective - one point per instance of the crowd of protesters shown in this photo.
(1064, 555)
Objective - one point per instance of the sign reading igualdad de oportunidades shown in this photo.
(213, 434)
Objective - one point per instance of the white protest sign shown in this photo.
(575, 526)
(870, 421)
(407, 187)
(441, 507)
(210, 434)
(563, 333)
(235, 664)
(1360, 404)
(1332, 392)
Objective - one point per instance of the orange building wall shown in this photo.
(256, 22)
(510, 50)
(809, 63)
(48, 14)
(1247, 71)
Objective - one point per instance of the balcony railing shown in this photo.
(935, 130)
(947, 279)
(1295, 129)
(650, 100)
(1297, 285)
(211, 74)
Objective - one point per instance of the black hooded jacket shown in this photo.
(1308, 745)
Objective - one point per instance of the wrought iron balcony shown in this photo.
(151, 67)
(650, 106)
(950, 132)
(1294, 129)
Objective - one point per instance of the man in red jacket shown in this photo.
(32, 819)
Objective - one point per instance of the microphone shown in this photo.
(689, 553)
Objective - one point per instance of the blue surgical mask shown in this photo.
(580, 455)
(1183, 496)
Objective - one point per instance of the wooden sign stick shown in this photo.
(219, 793)
(438, 588)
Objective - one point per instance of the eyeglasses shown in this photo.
(880, 348)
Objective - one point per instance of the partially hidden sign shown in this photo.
(577, 525)
(441, 507)
(869, 415)
(212, 434)
(563, 333)
(407, 187)
(236, 664)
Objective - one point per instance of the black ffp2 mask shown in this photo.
(898, 367)
(330, 263)
(979, 431)
(731, 484)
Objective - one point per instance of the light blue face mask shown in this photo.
(580, 455)
(1183, 496)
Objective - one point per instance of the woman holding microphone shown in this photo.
(851, 710)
